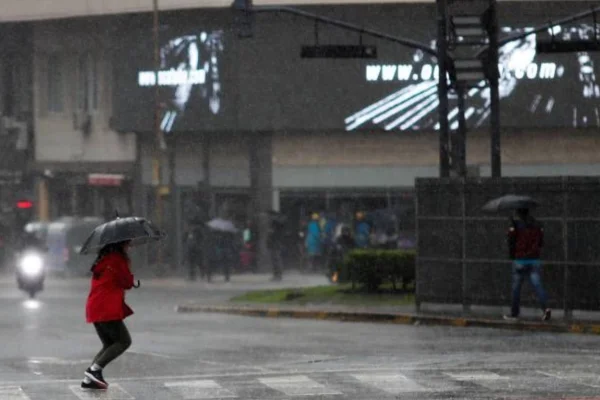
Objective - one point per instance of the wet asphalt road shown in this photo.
(46, 346)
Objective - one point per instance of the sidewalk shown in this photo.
(443, 315)
(244, 282)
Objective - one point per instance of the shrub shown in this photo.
(371, 268)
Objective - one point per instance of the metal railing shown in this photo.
(462, 253)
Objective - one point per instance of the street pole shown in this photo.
(443, 87)
(461, 134)
(159, 145)
(496, 156)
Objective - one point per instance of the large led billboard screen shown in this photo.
(211, 80)
(551, 90)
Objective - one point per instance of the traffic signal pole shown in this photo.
(159, 140)
(443, 108)
(460, 149)
(496, 154)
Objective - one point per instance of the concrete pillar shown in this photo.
(43, 200)
(206, 194)
(140, 203)
(74, 200)
(206, 171)
(97, 202)
(176, 225)
(276, 200)
(261, 188)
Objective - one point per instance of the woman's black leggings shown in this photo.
(115, 340)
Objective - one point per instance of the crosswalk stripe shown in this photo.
(13, 393)
(390, 383)
(298, 385)
(318, 384)
(114, 392)
(200, 389)
(476, 376)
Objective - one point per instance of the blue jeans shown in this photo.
(521, 270)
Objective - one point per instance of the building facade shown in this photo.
(16, 127)
(249, 121)
(75, 144)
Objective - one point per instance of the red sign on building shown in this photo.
(105, 179)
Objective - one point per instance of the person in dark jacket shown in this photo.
(275, 245)
(195, 255)
(106, 309)
(343, 244)
(525, 243)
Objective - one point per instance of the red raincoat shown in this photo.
(106, 301)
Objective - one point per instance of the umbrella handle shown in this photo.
(138, 284)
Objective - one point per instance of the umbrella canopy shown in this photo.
(223, 225)
(510, 202)
(135, 229)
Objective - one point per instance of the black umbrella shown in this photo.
(510, 202)
(134, 229)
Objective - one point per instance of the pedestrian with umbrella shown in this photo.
(525, 242)
(222, 234)
(275, 243)
(111, 277)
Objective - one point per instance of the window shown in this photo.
(87, 83)
(55, 80)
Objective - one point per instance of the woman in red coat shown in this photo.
(106, 309)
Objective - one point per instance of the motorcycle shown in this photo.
(31, 272)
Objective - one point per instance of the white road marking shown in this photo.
(203, 389)
(114, 392)
(488, 380)
(217, 375)
(55, 361)
(578, 378)
(147, 353)
(298, 385)
(13, 393)
(549, 374)
(391, 383)
(475, 376)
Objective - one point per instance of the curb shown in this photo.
(394, 318)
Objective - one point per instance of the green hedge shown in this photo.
(371, 268)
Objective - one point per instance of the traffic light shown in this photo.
(24, 213)
(338, 51)
(24, 204)
(468, 30)
(467, 72)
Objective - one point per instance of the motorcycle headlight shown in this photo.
(32, 265)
